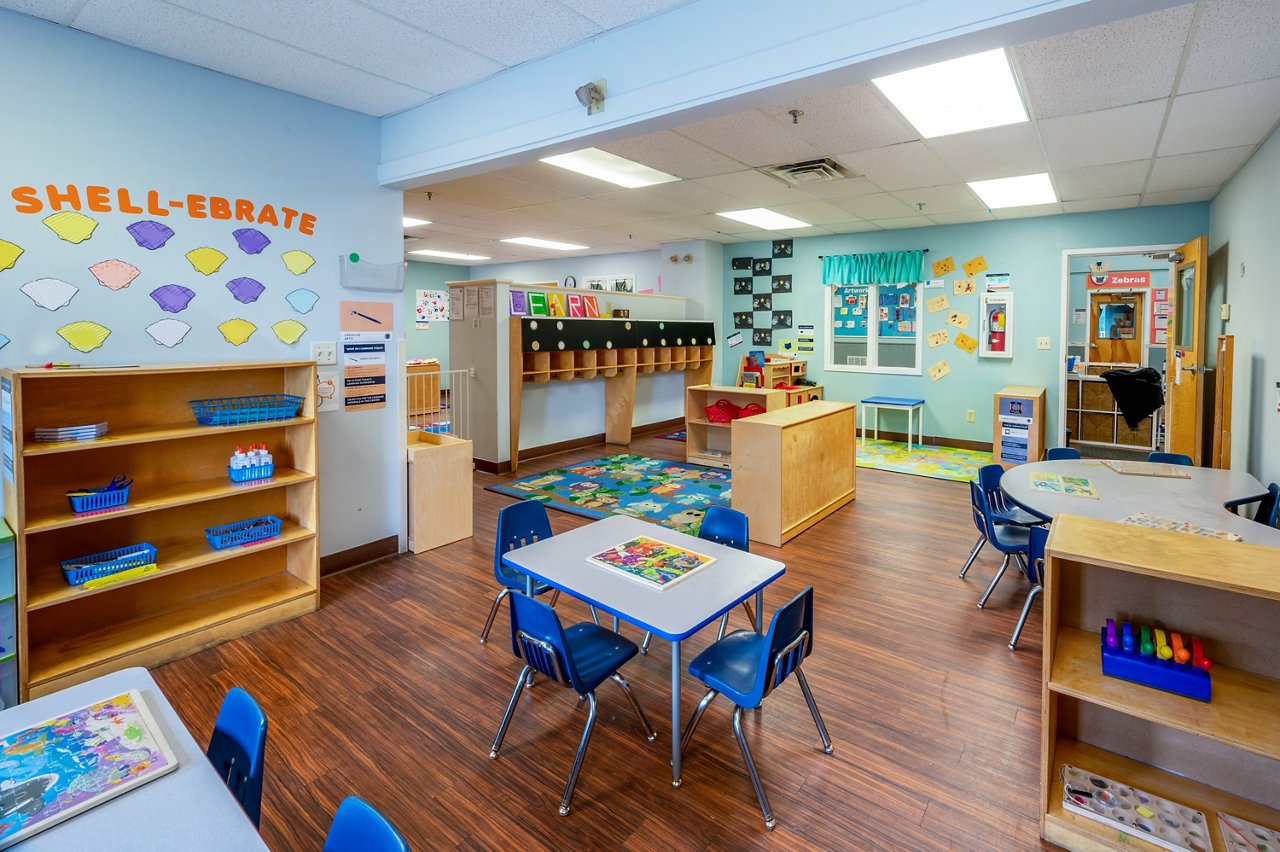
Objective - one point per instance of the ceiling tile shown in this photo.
(1222, 118)
(1123, 62)
(814, 212)
(1093, 205)
(674, 154)
(879, 206)
(643, 204)
(51, 10)
(854, 118)
(951, 198)
(904, 166)
(168, 30)
(614, 13)
(569, 184)
(851, 187)
(993, 153)
(961, 218)
(904, 222)
(754, 188)
(1179, 196)
(695, 196)
(1105, 136)
(854, 226)
(1206, 168)
(1234, 42)
(753, 138)
(1102, 181)
(600, 212)
(1027, 212)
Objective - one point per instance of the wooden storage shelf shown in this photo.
(701, 434)
(150, 434)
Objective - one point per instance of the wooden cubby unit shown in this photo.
(199, 596)
(1220, 756)
(702, 435)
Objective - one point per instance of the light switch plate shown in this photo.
(324, 354)
(1224, 312)
(1043, 343)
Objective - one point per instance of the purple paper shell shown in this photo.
(251, 240)
(150, 234)
(173, 298)
(245, 290)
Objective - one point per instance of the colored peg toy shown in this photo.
(1155, 657)
(1163, 651)
(1180, 654)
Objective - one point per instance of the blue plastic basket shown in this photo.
(85, 568)
(251, 473)
(100, 500)
(235, 410)
(243, 532)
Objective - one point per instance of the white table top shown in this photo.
(674, 613)
(1197, 500)
(188, 809)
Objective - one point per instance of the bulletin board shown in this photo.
(897, 315)
(849, 311)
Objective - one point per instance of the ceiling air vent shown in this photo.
(809, 171)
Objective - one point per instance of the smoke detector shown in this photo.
(808, 171)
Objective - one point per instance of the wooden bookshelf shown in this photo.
(1223, 755)
(199, 595)
(702, 435)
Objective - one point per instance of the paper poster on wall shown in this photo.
(964, 287)
(1161, 337)
(365, 316)
(734, 339)
(573, 301)
(935, 304)
(938, 338)
(942, 267)
(997, 280)
(938, 370)
(364, 376)
(591, 307)
(327, 379)
(470, 302)
(742, 319)
(431, 306)
(934, 284)
(804, 338)
(966, 343)
(762, 337)
(455, 304)
(556, 306)
(958, 320)
(537, 304)
(975, 265)
(518, 305)
(1079, 316)
(488, 300)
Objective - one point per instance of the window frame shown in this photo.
(873, 333)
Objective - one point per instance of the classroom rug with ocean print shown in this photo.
(934, 462)
(670, 493)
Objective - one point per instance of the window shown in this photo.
(874, 328)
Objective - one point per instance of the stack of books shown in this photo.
(57, 434)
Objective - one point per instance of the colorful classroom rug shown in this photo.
(670, 493)
(678, 435)
(933, 462)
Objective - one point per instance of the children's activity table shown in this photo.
(673, 613)
(914, 407)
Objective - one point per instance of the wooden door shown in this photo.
(1184, 362)
(1115, 328)
(1222, 402)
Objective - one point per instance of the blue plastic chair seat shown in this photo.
(1011, 537)
(518, 584)
(1018, 517)
(597, 653)
(730, 666)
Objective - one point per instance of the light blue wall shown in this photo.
(434, 342)
(1029, 249)
(94, 112)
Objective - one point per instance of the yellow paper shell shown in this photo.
(71, 226)
(237, 331)
(289, 331)
(84, 336)
(297, 261)
(9, 254)
(206, 260)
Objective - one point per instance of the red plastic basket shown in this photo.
(723, 411)
(751, 410)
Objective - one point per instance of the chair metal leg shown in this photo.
(973, 554)
(644, 645)
(1004, 566)
(582, 752)
(649, 733)
(1022, 619)
(724, 620)
(493, 612)
(697, 716)
(813, 708)
(555, 596)
(506, 717)
(769, 821)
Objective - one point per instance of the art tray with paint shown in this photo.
(1135, 812)
(236, 410)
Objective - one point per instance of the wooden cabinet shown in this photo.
(199, 595)
(439, 490)
(792, 467)
(1218, 756)
(707, 442)
(1094, 418)
(1018, 418)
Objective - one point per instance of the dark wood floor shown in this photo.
(386, 693)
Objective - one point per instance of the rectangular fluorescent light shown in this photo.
(452, 255)
(956, 96)
(765, 219)
(595, 163)
(410, 222)
(548, 244)
(1021, 191)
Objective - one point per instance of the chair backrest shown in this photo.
(790, 640)
(1035, 553)
(976, 504)
(538, 638)
(518, 524)
(989, 476)
(1170, 458)
(725, 526)
(1268, 511)
(236, 749)
(1061, 454)
(982, 509)
(358, 827)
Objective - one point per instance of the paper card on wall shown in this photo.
(838, 324)
(537, 304)
(787, 345)
(422, 326)
(942, 267)
(327, 382)
(734, 339)
(364, 316)
(939, 337)
(844, 312)
(470, 303)
(455, 304)
(1159, 294)
(958, 320)
(967, 343)
(906, 327)
(939, 370)
(1162, 309)
(488, 300)
(519, 306)
(591, 307)
(934, 284)
(1161, 337)
(556, 306)
(1079, 316)
(937, 303)
(884, 315)
(974, 266)
(997, 280)
(431, 306)
(574, 302)
(1161, 322)
(964, 287)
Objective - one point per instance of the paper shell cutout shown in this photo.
(245, 290)
(150, 234)
(168, 332)
(206, 260)
(173, 298)
(302, 300)
(9, 254)
(289, 331)
(4, 341)
(84, 336)
(71, 226)
(50, 293)
(114, 274)
(297, 261)
(251, 240)
(237, 331)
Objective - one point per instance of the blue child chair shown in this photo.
(1170, 458)
(1003, 511)
(1268, 510)
(237, 747)
(358, 827)
(581, 658)
(1035, 576)
(1009, 539)
(518, 524)
(746, 666)
(1061, 454)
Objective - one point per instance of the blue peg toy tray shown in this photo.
(1178, 678)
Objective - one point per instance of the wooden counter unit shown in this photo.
(792, 467)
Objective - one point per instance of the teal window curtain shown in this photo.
(884, 267)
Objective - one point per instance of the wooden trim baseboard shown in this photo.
(354, 557)
(936, 440)
(573, 444)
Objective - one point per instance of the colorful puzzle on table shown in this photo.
(653, 562)
(1155, 657)
(1135, 812)
(1156, 522)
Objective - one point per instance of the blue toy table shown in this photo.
(911, 405)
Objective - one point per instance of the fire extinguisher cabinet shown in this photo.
(995, 325)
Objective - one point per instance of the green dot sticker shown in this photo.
(586, 344)
(354, 257)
